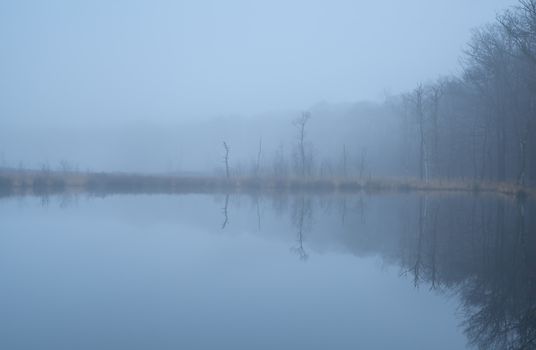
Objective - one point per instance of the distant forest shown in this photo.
(479, 125)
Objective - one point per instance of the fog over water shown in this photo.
(308, 272)
(240, 174)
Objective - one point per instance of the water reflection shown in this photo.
(479, 249)
(302, 215)
(482, 250)
(225, 212)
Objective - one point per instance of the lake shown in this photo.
(385, 271)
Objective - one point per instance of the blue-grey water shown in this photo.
(273, 272)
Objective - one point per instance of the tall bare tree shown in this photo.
(416, 101)
(300, 123)
(226, 158)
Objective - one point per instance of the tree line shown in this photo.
(479, 125)
(475, 126)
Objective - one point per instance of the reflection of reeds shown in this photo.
(6, 185)
(39, 182)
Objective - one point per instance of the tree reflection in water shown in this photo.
(483, 250)
(302, 214)
(480, 248)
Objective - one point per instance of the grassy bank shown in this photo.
(40, 183)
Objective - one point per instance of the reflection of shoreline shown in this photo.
(18, 182)
(480, 248)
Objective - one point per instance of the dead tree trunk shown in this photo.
(226, 159)
(419, 110)
(300, 124)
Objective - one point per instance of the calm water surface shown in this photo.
(273, 272)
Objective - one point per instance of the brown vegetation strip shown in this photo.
(37, 183)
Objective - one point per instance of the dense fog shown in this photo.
(238, 174)
(158, 87)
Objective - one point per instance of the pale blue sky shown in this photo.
(99, 61)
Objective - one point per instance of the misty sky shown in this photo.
(101, 61)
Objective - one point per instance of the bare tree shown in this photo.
(226, 158)
(300, 123)
(416, 102)
(520, 25)
(489, 69)
(435, 94)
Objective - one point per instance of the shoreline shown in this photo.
(38, 183)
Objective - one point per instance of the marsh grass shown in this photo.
(39, 183)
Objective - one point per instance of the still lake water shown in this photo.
(275, 272)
